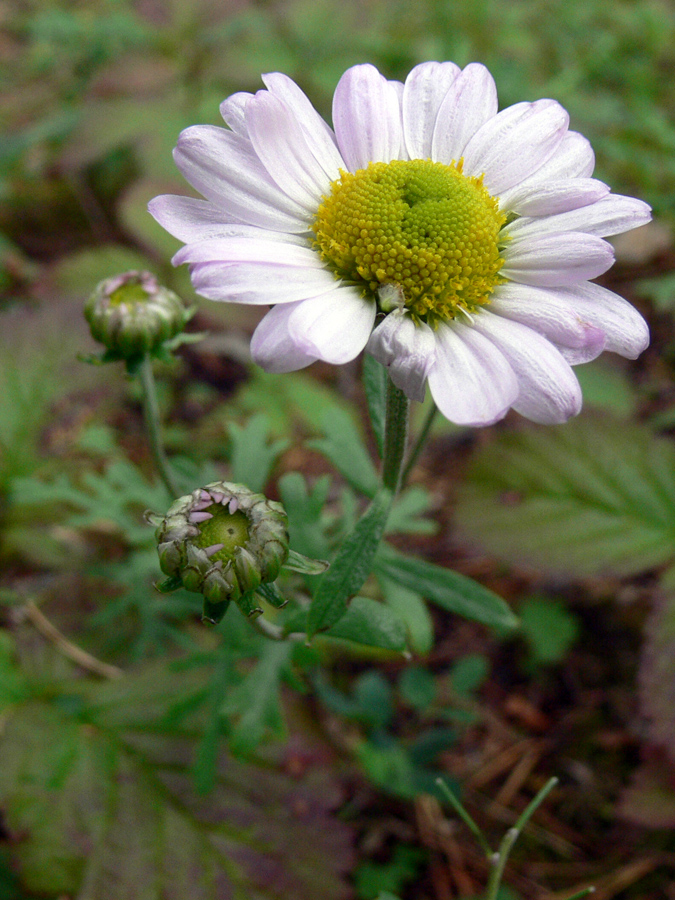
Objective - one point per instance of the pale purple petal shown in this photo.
(246, 249)
(272, 346)
(224, 168)
(191, 220)
(367, 118)
(577, 356)
(334, 327)
(514, 143)
(471, 380)
(549, 312)
(259, 283)
(406, 349)
(424, 91)
(557, 260)
(319, 135)
(213, 548)
(573, 158)
(470, 102)
(198, 517)
(233, 111)
(613, 214)
(281, 146)
(554, 197)
(626, 332)
(549, 392)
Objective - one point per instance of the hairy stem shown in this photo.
(154, 428)
(395, 437)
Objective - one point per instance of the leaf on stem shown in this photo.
(375, 385)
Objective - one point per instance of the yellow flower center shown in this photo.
(418, 226)
(226, 528)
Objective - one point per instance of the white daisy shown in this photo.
(465, 237)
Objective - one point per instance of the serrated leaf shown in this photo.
(343, 446)
(369, 622)
(351, 566)
(304, 507)
(96, 789)
(375, 386)
(596, 495)
(409, 505)
(453, 592)
(253, 455)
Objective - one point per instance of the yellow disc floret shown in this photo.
(422, 226)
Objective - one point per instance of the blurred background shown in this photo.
(92, 98)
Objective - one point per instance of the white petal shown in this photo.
(225, 169)
(190, 219)
(406, 349)
(282, 147)
(245, 249)
(573, 158)
(259, 283)
(554, 197)
(272, 346)
(549, 392)
(578, 356)
(626, 332)
(233, 111)
(611, 215)
(514, 143)
(334, 327)
(557, 260)
(469, 103)
(366, 118)
(471, 380)
(319, 135)
(425, 88)
(549, 313)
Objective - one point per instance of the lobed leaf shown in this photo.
(595, 496)
(368, 622)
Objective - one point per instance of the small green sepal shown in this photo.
(305, 565)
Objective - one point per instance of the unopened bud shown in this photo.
(223, 541)
(132, 314)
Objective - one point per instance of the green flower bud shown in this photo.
(223, 541)
(132, 314)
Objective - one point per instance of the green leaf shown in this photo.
(596, 495)
(413, 612)
(351, 566)
(343, 446)
(548, 627)
(453, 592)
(305, 507)
(375, 385)
(369, 622)
(256, 700)
(409, 505)
(252, 455)
(98, 799)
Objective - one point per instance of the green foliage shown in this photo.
(548, 627)
(371, 879)
(343, 446)
(96, 780)
(595, 496)
(451, 591)
(375, 385)
(252, 454)
(351, 566)
(368, 622)
(417, 687)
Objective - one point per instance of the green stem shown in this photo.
(419, 443)
(465, 817)
(499, 859)
(395, 436)
(154, 428)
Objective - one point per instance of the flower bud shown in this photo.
(223, 541)
(132, 314)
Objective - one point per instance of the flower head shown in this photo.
(223, 541)
(132, 314)
(454, 242)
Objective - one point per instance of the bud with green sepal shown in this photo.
(133, 315)
(229, 544)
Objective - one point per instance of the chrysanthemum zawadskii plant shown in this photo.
(453, 242)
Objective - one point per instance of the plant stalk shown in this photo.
(154, 428)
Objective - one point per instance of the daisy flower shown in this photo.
(454, 242)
